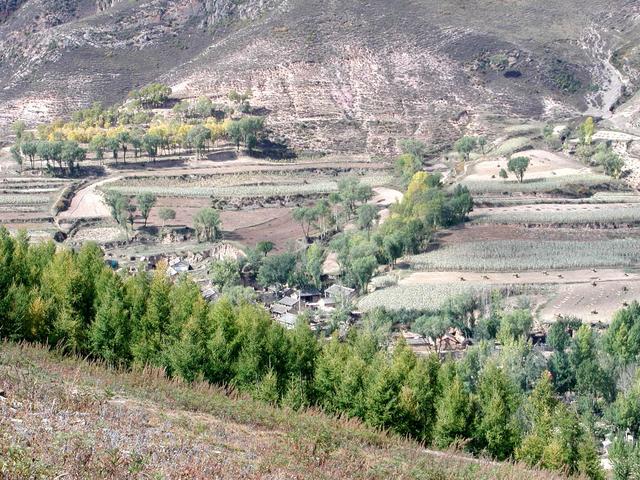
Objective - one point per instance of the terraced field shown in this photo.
(568, 231)
(242, 185)
(562, 214)
(28, 202)
(521, 255)
(298, 186)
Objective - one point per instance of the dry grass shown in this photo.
(68, 418)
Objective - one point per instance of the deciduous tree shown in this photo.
(207, 224)
(146, 201)
(518, 165)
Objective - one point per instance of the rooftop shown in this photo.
(288, 301)
(280, 309)
(336, 290)
(288, 320)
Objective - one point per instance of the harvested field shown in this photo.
(513, 145)
(252, 178)
(586, 276)
(254, 167)
(578, 182)
(520, 255)
(248, 227)
(591, 296)
(547, 172)
(26, 199)
(599, 198)
(477, 232)
(591, 303)
(185, 209)
(27, 203)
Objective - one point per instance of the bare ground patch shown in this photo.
(592, 302)
(542, 164)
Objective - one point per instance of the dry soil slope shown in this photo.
(340, 75)
(66, 418)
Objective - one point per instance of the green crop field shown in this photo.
(549, 184)
(415, 297)
(431, 298)
(514, 255)
(570, 215)
(292, 187)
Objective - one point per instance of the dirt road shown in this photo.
(88, 203)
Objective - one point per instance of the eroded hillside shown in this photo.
(332, 75)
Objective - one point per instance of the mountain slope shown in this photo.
(66, 418)
(334, 75)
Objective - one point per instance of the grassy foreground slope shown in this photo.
(67, 418)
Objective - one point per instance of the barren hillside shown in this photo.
(332, 75)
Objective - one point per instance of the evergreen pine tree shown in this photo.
(418, 399)
(454, 414)
(266, 389)
(110, 332)
(188, 355)
(497, 430)
(539, 410)
(223, 344)
(151, 333)
(303, 349)
(296, 395)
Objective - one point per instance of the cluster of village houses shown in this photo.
(286, 304)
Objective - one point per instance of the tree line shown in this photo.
(510, 403)
(115, 132)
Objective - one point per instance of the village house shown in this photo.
(209, 294)
(288, 320)
(279, 309)
(453, 342)
(292, 302)
(339, 293)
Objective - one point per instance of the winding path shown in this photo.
(88, 203)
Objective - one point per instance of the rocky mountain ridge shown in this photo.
(345, 76)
